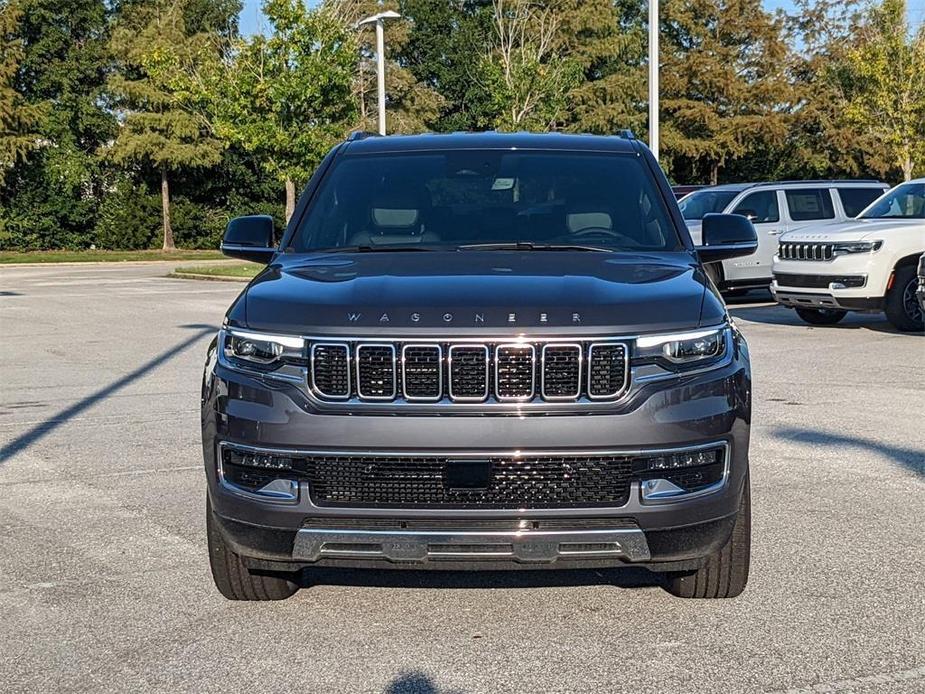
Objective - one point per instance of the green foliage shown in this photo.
(287, 98)
(885, 85)
(18, 118)
(128, 218)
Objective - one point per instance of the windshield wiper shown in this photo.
(375, 249)
(530, 246)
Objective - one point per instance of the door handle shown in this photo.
(775, 232)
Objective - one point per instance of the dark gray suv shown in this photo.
(480, 351)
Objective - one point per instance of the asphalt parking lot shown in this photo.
(104, 581)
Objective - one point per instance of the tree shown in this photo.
(885, 85)
(528, 76)
(18, 118)
(412, 106)
(287, 98)
(724, 84)
(157, 129)
(55, 188)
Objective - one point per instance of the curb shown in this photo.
(212, 278)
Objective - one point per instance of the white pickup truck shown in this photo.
(868, 264)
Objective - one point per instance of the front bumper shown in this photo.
(291, 531)
(834, 295)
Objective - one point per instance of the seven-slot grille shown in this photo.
(806, 251)
(469, 372)
(510, 482)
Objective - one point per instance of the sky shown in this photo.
(251, 18)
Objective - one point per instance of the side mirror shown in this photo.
(750, 215)
(726, 236)
(249, 238)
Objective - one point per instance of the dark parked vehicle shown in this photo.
(474, 352)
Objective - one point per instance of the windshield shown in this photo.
(696, 205)
(906, 201)
(459, 198)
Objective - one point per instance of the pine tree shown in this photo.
(723, 82)
(18, 118)
(157, 129)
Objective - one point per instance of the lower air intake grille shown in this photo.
(528, 482)
(607, 372)
(376, 372)
(331, 370)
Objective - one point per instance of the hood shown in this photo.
(853, 230)
(478, 291)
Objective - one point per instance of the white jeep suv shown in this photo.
(868, 264)
(774, 208)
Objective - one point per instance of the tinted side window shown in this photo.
(856, 199)
(760, 206)
(810, 203)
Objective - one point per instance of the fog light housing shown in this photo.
(680, 473)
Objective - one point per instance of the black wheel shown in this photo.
(821, 316)
(725, 574)
(231, 575)
(902, 308)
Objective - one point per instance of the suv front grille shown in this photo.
(469, 372)
(806, 251)
(527, 482)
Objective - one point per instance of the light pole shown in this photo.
(377, 19)
(653, 77)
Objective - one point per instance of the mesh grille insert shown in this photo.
(422, 365)
(606, 370)
(331, 370)
(528, 482)
(515, 371)
(469, 372)
(561, 371)
(376, 371)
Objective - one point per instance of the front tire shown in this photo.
(231, 575)
(821, 316)
(725, 573)
(902, 308)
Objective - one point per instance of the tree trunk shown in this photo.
(714, 173)
(290, 198)
(165, 212)
(907, 168)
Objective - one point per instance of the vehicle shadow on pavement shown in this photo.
(416, 682)
(909, 458)
(629, 577)
(43, 428)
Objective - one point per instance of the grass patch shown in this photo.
(9, 257)
(244, 271)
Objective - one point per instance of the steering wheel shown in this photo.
(598, 231)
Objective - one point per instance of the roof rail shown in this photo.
(361, 135)
(826, 180)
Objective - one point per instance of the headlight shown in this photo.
(683, 348)
(260, 348)
(856, 247)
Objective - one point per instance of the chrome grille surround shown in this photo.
(376, 372)
(315, 362)
(440, 371)
(506, 376)
(471, 349)
(546, 361)
(806, 251)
